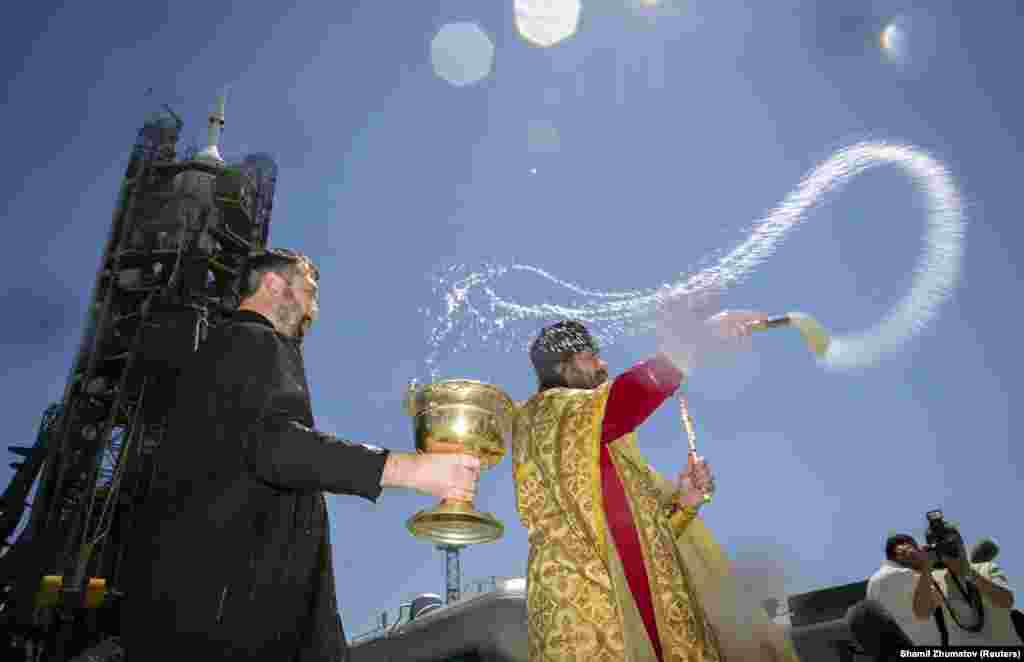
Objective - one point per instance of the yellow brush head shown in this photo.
(814, 334)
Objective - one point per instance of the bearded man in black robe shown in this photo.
(232, 556)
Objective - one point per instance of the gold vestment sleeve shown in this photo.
(681, 518)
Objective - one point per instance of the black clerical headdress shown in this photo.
(555, 344)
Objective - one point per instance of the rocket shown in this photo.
(211, 153)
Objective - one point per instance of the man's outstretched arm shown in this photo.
(281, 450)
(636, 394)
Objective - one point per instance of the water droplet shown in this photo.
(512, 324)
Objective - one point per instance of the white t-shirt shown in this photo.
(893, 586)
(998, 629)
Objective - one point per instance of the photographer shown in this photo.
(901, 602)
(986, 550)
(976, 597)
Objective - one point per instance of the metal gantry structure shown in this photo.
(452, 572)
(181, 235)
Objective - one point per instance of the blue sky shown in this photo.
(679, 125)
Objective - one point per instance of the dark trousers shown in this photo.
(1017, 616)
(876, 631)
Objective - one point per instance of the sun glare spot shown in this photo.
(462, 54)
(545, 23)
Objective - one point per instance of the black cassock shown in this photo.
(231, 558)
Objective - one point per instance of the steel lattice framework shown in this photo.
(180, 238)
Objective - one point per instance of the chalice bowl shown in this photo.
(459, 416)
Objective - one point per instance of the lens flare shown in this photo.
(894, 41)
(542, 137)
(462, 53)
(545, 23)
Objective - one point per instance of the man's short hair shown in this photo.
(557, 343)
(895, 540)
(282, 261)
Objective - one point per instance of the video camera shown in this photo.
(941, 538)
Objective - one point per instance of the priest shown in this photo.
(621, 568)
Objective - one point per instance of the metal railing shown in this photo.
(470, 589)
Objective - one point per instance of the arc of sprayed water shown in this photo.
(935, 273)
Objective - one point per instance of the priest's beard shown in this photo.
(578, 378)
(291, 315)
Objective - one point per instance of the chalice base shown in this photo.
(455, 523)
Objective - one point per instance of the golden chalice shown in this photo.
(459, 416)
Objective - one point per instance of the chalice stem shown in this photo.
(454, 506)
(691, 435)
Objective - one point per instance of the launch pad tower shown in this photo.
(180, 238)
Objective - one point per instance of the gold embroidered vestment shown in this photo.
(579, 608)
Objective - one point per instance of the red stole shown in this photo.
(627, 542)
(633, 397)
